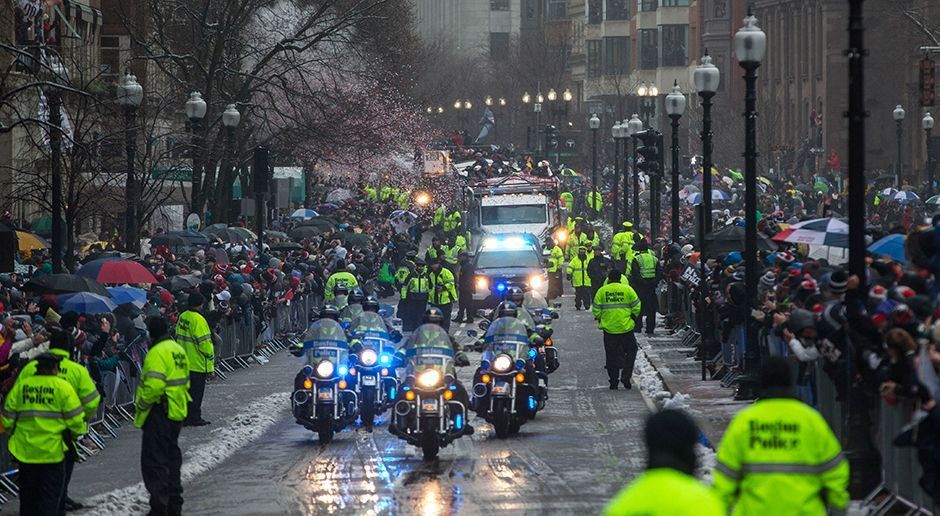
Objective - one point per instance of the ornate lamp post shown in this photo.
(196, 112)
(230, 119)
(750, 45)
(675, 108)
(898, 115)
(635, 125)
(618, 131)
(130, 94)
(927, 124)
(594, 123)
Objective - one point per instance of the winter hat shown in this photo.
(671, 435)
(902, 293)
(785, 258)
(768, 280)
(800, 320)
(808, 285)
(733, 258)
(920, 305)
(838, 280)
(878, 293)
(195, 299)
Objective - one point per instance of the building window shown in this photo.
(618, 9)
(499, 45)
(557, 9)
(595, 11)
(649, 49)
(499, 5)
(675, 45)
(675, 3)
(530, 9)
(648, 5)
(594, 50)
(616, 55)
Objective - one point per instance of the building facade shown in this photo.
(476, 28)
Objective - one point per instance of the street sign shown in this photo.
(193, 222)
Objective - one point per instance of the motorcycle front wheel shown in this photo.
(502, 417)
(325, 423)
(430, 442)
(367, 406)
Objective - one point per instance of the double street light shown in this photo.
(196, 112)
(750, 45)
(130, 94)
(634, 127)
(898, 115)
(675, 108)
(619, 131)
(648, 95)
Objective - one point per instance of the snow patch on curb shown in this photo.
(245, 427)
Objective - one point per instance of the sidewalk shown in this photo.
(712, 405)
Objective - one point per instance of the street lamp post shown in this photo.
(130, 95)
(196, 112)
(526, 99)
(898, 115)
(53, 95)
(648, 95)
(617, 131)
(927, 124)
(230, 119)
(594, 123)
(750, 44)
(627, 133)
(675, 108)
(636, 125)
(706, 79)
(537, 107)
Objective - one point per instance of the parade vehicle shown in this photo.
(513, 204)
(372, 366)
(428, 413)
(505, 260)
(506, 385)
(322, 401)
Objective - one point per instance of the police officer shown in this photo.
(622, 247)
(556, 262)
(194, 335)
(161, 404)
(644, 277)
(615, 306)
(415, 296)
(578, 275)
(60, 345)
(465, 282)
(340, 277)
(597, 269)
(668, 487)
(435, 250)
(42, 414)
(779, 456)
(443, 291)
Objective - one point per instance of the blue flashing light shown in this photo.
(458, 422)
(500, 287)
(405, 388)
(343, 370)
(532, 403)
(453, 387)
(520, 364)
(391, 392)
(385, 359)
(532, 353)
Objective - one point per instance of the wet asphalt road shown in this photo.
(572, 458)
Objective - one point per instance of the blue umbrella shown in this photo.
(891, 246)
(86, 303)
(134, 296)
(905, 197)
(304, 214)
(717, 195)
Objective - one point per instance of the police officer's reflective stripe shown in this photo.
(177, 382)
(606, 307)
(91, 397)
(51, 414)
(204, 338)
(155, 374)
(726, 470)
(777, 467)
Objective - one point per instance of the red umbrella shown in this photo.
(116, 271)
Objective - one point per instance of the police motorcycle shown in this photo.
(431, 408)
(506, 387)
(372, 362)
(353, 307)
(322, 401)
(543, 316)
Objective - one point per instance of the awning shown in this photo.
(76, 10)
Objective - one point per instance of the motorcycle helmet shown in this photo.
(434, 315)
(508, 309)
(369, 304)
(356, 296)
(340, 290)
(515, 295)
(329, 312)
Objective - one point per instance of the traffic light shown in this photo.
(551, 137)
(650, 151)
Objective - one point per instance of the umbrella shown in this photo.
(736, 175)
(270, 233)
(190, 237)
(244, 233)
(324, 223)
(122, 295)
(65, 284)
(86, 303)
(905, 197)
(350, 238)
(821, 186)
(304, 214)
(286, 246)
(887, 192)
(179, 283)
(402, 220)
(727, 181)
(299, 233)
(327, 207)
(218, 254)
(891, 246)
(225, 234)
(827, 231)
(100, 245)
(108, 254)
(170, 240)
(731, 238)
(29, 242)
(110, 270)
(934, 201)
(717, 195)
(339, 196)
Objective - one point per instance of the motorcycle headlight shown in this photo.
(429, 378)
(535, 281)
(502, 363)
(325, 369)
(368, 357)
(482, 282)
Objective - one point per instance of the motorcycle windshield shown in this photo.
(507, 335)
(526, 318)
(534, 301)
(370, 329)
(340, 302)
(429, 347)
(326, 340)
(350, 312)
